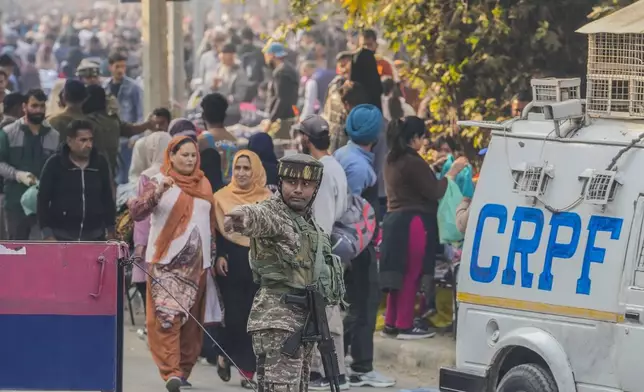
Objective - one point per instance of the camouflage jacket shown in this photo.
(283, 253)
(335, 114)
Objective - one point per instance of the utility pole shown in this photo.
(177, 75)
(198, 27)
(155, 55)
(218, 11)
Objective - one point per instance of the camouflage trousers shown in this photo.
(277, 372)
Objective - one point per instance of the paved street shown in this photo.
(141, 374)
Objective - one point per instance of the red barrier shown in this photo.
(61, 303)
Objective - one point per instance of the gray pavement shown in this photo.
(141, 375)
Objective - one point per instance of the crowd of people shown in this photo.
(203, 209)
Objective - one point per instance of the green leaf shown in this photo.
(473, 41)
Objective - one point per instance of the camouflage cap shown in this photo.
(300, 166)
(88, 68)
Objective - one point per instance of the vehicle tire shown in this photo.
(528, 377)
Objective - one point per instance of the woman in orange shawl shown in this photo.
(179, 202)
(234, 277)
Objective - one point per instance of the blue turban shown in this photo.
(364, 124)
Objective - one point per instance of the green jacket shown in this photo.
(107, 131)
(61, 121)
(21, 150)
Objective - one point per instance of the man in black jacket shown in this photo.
(252, 61)
(75, 201)
(283, 92)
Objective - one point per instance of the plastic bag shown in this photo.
(463, 178)
(447, 230)
(29, 200)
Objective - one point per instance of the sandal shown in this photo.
(249, 384)
(223, 370)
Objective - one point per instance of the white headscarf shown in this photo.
(144, 154)
(154, 146)
(147, 158)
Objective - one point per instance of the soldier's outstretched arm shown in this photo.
(260, 220)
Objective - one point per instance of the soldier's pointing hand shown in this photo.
(234, 221)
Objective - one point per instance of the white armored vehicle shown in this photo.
(551, 285)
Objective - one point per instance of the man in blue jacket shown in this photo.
(130, 101)
(364, 128)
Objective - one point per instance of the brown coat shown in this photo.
(412, 185)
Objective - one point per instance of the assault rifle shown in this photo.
(315, 330)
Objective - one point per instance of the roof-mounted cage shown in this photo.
(549, 90)
(616, 75)
(616, 64)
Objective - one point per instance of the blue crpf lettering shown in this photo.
(594, 254)
(558, 249)
(523, 246)
(477, 272)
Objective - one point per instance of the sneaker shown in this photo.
(185, 384)
(322, 384)
(173, 384)
(389, 332)
(348, 360)
(319, 384)
(415, 333)
(428, 325)
(371, 379)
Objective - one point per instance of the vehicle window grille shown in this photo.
(600, 188)
(532, 182)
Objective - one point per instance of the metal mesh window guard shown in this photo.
(532, 181)
(546, 91)
(600, 188)
(616, 75)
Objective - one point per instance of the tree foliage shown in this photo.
(472, 56)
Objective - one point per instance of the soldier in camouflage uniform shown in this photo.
(89, 73)
(288, 252)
